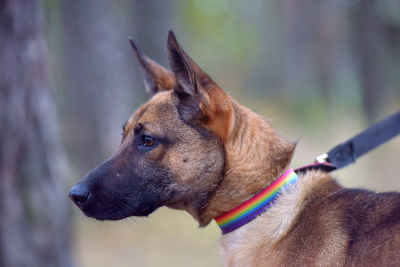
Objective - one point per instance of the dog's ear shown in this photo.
(156, 77)
(201, 101)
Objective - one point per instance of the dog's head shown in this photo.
(172, 149)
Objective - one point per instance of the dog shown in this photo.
(194, 148)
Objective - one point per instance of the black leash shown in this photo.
(346, 153)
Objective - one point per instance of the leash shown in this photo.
(338, 157)
(346, 153)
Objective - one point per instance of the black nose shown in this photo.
(79, 194)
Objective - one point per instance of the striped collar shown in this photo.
(253, 207)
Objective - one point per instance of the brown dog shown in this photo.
(192, 147)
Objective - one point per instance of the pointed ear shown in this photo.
(156, 78)
(201, 101)
(184, 68)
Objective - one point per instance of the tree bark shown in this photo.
(101, 83)
(34, 222)
(97, 89)
(369, 44)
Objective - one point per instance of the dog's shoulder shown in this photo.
(372, 224)
(344, 224)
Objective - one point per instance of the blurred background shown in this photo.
(320, 71)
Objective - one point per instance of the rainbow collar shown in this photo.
(253, 207)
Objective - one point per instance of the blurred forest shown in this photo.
(321, 71)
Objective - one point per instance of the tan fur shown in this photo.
(253, 160)
(219, 113)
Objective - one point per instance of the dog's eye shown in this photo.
(148, 141)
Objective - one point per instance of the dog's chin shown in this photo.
(121, 213)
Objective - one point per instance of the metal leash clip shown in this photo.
(322, 158)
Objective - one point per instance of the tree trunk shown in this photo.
(369, 44)
(101, 83)
(34, 222)
(97, 88)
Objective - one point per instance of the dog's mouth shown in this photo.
(110, 207)
(119, 213)
(119, 210)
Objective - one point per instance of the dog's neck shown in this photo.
(255, 156)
